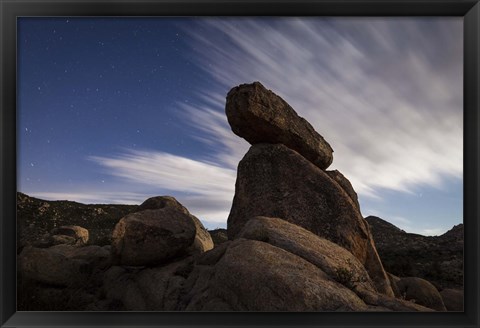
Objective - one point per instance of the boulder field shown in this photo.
(296, 240)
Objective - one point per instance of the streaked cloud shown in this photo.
(386, 93)
(170, 172)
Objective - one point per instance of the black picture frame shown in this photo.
(10, 10)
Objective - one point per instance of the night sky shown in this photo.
(117, 110)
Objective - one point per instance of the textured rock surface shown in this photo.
(150, 289)
(95, 256)
(393, 283)
(79, 234)
(260, 116)
(256, 276)
(159, 202)
(203, 241)
(275, 181)
(423, 292)
(390, 303)
(345, 184)
(453, 299)
(334, 260)
(152, 237)
(50, 267)
(219, 236)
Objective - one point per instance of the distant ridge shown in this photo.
(438, 259)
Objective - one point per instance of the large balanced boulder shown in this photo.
(152, 237)
(255, 276)
(260, 116)
(275, 181)
(422, 292)
(203, 241)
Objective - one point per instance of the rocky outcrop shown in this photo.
(49, 267)
(149, 289)
(453, 299)
(260, 116)
(203, 241)
(219, 236)
(152, 237)
(438, 259)
(159, 202)
(75, 234)
(297, 240)
(248, 277)
(335, 261)
(162, 230)
(36, 218)
(275, 181)
(346, 186)
(421, 292)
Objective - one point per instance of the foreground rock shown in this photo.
(159, 234)
(203, 241)
(75, 234)
(260, 116)
(275, 181)
(453, 299)
(256, 276)
(422, 292)
(36, 218)
(152, 237)
(150, 289)
(332, 259)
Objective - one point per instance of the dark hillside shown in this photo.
(438, 259)
(37, 217)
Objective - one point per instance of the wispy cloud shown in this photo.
(205, 188)
(376, 89)
(211, 123)
(170, 172)
(385, 93)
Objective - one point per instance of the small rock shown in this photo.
(422, 292)
(453, 299)
(159, 202)
(78, 233)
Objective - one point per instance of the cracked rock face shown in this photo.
(260, 116)
(275, 181)
(248, 277)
